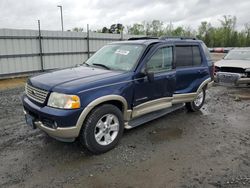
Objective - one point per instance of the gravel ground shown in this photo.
(209, 148)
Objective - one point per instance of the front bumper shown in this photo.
(62, 123)
(231, 78)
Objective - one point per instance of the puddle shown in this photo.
(164, 134)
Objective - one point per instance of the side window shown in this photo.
(161, 60)
(188, 56)
(184, 56)
(196, 56)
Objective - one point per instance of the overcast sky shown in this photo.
(23, 14)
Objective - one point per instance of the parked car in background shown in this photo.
(220, 50)
(123, 85)
(234, 68)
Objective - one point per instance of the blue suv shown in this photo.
(123, 85)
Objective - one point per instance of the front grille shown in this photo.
(232, 69)
(36, 94)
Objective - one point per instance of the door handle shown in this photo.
(201, 71)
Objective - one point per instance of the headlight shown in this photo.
(59, 100)
(247, 70)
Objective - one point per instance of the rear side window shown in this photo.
(188, 56)
(196, 56)
(184, 56)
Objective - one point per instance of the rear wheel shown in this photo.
(103, 129)
(198, 102)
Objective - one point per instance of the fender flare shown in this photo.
(98, 101)
(203, 84)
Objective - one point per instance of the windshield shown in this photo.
(116, 56)
(238, 55)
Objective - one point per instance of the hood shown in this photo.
(83, 75)
(245, 64)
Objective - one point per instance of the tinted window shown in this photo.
(184, 56)
(188, 56)
(196, 56)
(161, 60)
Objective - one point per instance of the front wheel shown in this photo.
(103, 129)
(198, 102)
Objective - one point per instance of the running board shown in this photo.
(151, 116)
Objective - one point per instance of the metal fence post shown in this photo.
(40, 45)
(88, 40)
(121, 34)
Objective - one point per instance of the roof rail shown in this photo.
(142, 38)
(181, 38)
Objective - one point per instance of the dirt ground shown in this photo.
(209, 148)
(12, 83)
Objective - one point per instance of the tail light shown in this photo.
(213, 69)
(216, 69)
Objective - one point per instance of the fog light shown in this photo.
(49, 123)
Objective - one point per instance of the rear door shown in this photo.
(191, 69)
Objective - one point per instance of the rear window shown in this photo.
(188, 56)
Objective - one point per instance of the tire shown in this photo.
(101, 122)
(198, 102)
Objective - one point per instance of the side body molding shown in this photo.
(167, 102)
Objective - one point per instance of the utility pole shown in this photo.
(40, 45)
(60, 6)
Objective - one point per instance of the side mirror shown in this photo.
(150, 75)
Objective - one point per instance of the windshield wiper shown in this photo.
(84, 63)
(101, 65)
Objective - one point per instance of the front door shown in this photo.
(155, 94)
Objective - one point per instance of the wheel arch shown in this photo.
(116, 100)
(203, 85)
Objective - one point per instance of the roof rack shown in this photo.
(181, 38)
(142, 38)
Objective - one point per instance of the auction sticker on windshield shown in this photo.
(122, 52)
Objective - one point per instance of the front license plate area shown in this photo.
(228, 78)
(30, 121)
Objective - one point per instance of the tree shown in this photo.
(136, 29)
(224, 35)
(228, 26)
(114, 28)
(179, 31)
(156, 28)
(105, 30)
(247, 30)
(77, 29)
